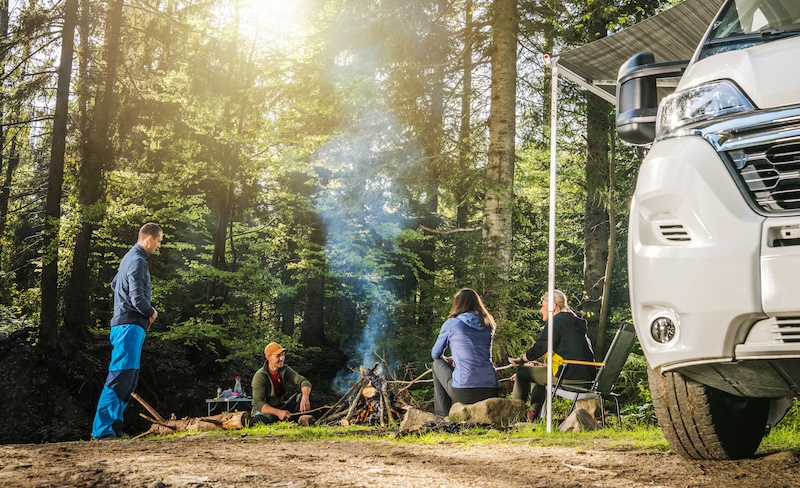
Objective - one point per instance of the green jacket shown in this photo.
(264, 392)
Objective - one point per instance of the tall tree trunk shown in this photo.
(218, 290)
(96, 154)
(48, 327)
(5, 191)
(602, 326)
(549, 34)
(595, 228)
(286, 302)
(434, 159)
(313, 332)
(462, 193)
(498, 205)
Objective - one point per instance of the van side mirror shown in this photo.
(637, 101)
(637, 96)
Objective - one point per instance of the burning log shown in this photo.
(367, 402)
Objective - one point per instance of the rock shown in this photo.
(781, 457)
(592, 405)
(495, 411)
(579, 421)
(414, 419)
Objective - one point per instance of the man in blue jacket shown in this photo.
(133, 316)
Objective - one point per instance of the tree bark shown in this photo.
(48, 328)
(218, 290)
(596, 227)
(462, 190)
(96, 155)
(602, 326)
(498, 204)
(434, 158)
(313, 332)
(5, 192)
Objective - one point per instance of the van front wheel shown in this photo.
(701, 422)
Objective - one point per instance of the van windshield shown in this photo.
(746, 23)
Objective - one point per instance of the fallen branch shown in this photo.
(415, 380)
(446, 232)
(355, 400)
(226, 420)
(331, 412)
(147, 407)
(593, 470)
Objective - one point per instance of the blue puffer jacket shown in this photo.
(132, 293)
(471, 347)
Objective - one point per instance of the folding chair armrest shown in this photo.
(582, 363)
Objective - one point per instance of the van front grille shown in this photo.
(771, 174)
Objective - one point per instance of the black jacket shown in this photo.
(570, 342)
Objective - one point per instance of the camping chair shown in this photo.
(607, 374)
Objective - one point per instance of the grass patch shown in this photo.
(784, 437)
(636, 437)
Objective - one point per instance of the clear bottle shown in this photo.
(237, 388)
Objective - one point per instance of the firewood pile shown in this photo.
(367, 402)
(162, 426)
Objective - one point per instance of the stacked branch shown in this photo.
(162, 426)
(367, 402)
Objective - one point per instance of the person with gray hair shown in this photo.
(569, 342)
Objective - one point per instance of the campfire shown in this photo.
(367, 402)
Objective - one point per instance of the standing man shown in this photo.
(133, 316)
(273, 400)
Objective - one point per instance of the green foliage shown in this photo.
(11, 322)
(784, 436)
(308, 172)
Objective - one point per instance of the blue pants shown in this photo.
(123, 374)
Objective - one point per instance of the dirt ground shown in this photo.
(211, 461)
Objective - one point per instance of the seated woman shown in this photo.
(569, 341)
(469, 375)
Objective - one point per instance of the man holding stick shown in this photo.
(133, 316)
(272, 398)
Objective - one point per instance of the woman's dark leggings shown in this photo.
(444, 394)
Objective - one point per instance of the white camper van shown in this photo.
(714, 247)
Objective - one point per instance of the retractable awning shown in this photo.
(671, 35)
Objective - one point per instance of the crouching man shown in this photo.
(275, 390)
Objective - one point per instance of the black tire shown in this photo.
(701, 422)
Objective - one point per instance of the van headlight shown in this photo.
(702, 102)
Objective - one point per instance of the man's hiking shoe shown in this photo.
(109, 437)
(305, 420)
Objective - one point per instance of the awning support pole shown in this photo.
(551, 258)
